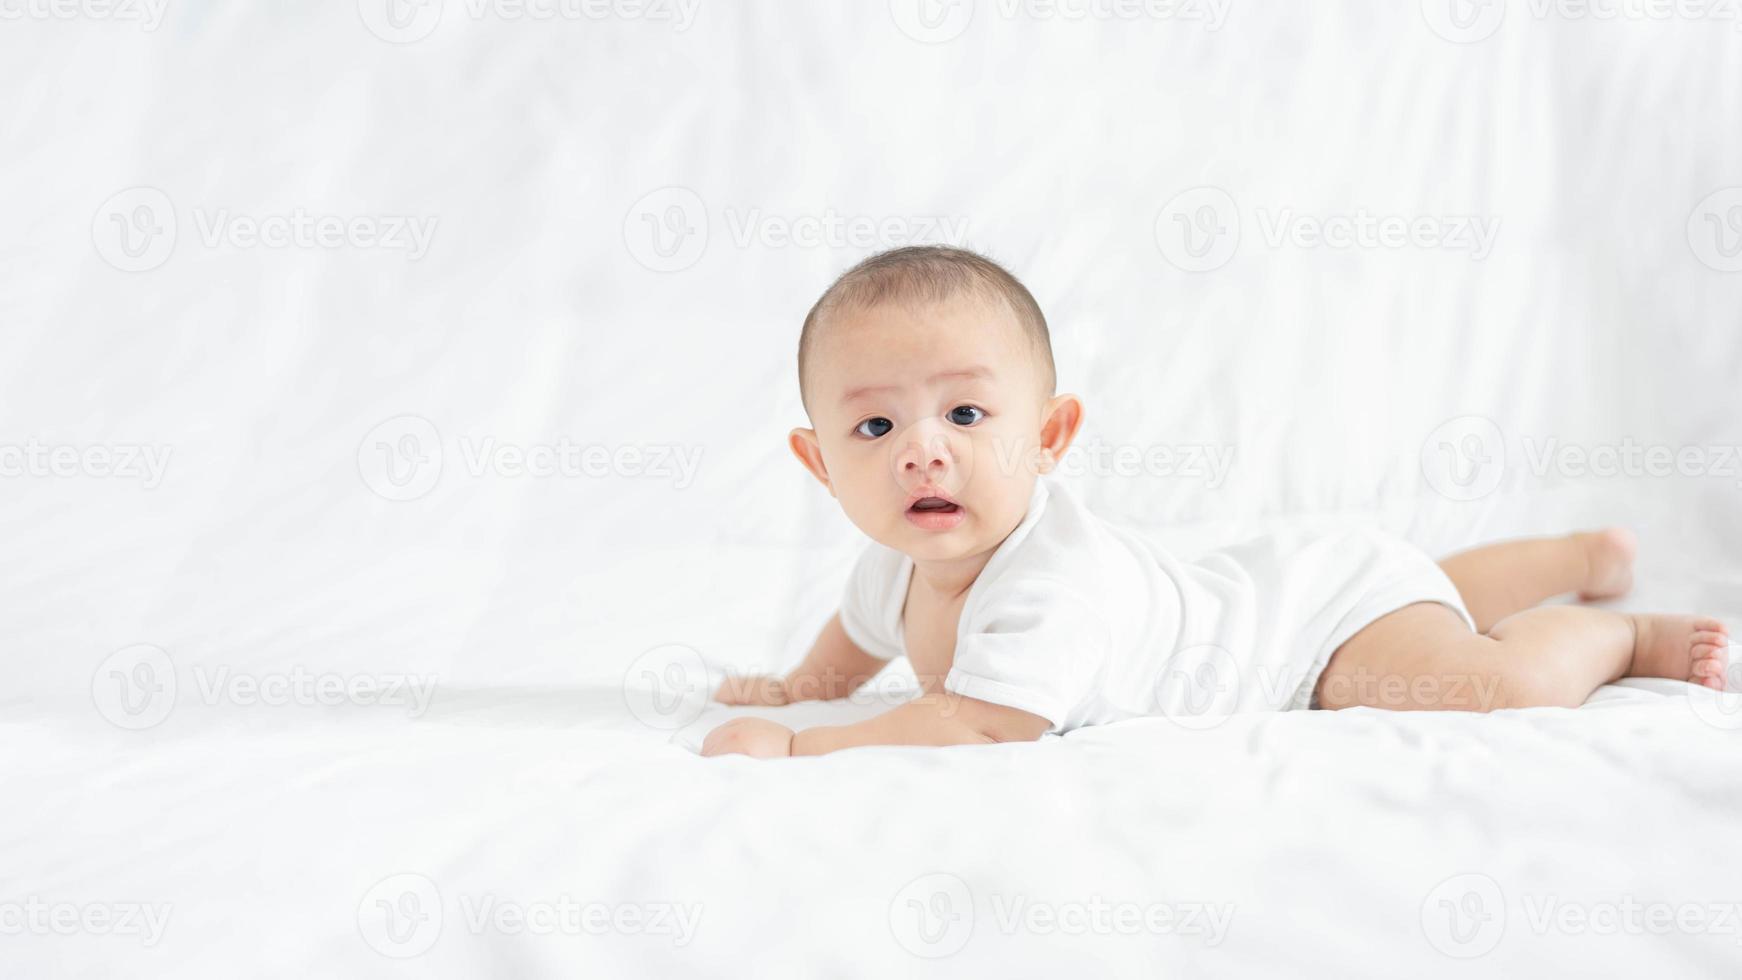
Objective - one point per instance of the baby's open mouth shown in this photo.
(932, 511)
(936, 505)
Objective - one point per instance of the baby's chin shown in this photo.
(940, 548)
(964, 540)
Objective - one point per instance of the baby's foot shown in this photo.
(1684, 648)
(1609, 553)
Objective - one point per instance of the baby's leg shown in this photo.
(1498, 580)
(1424, 657)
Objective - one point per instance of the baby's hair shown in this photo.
(918, 274)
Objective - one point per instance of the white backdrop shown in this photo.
(329, 255)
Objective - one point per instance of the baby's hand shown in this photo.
(754, 737)
(769, 692)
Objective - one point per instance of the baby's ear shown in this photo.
(809, 451)
(1059, 423)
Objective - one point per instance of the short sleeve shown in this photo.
(871, 605)
(1035, 645)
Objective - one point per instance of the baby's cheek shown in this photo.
(1008, 455)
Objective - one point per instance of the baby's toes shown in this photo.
(1708, 666)
(1706, 624)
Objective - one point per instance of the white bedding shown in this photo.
(1299, 843)
(327, 489)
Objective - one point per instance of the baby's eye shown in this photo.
(966, 415)
(873, 428)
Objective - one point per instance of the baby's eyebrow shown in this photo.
(974, 372)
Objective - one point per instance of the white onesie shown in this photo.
(1083, 623)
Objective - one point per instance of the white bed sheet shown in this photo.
(1305, 843)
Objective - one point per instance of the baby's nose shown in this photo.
(925, 452)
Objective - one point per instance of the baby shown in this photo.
(927, 374)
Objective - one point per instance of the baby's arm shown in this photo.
(834, 668)
(934, 719)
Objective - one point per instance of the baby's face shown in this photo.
(928, 419)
